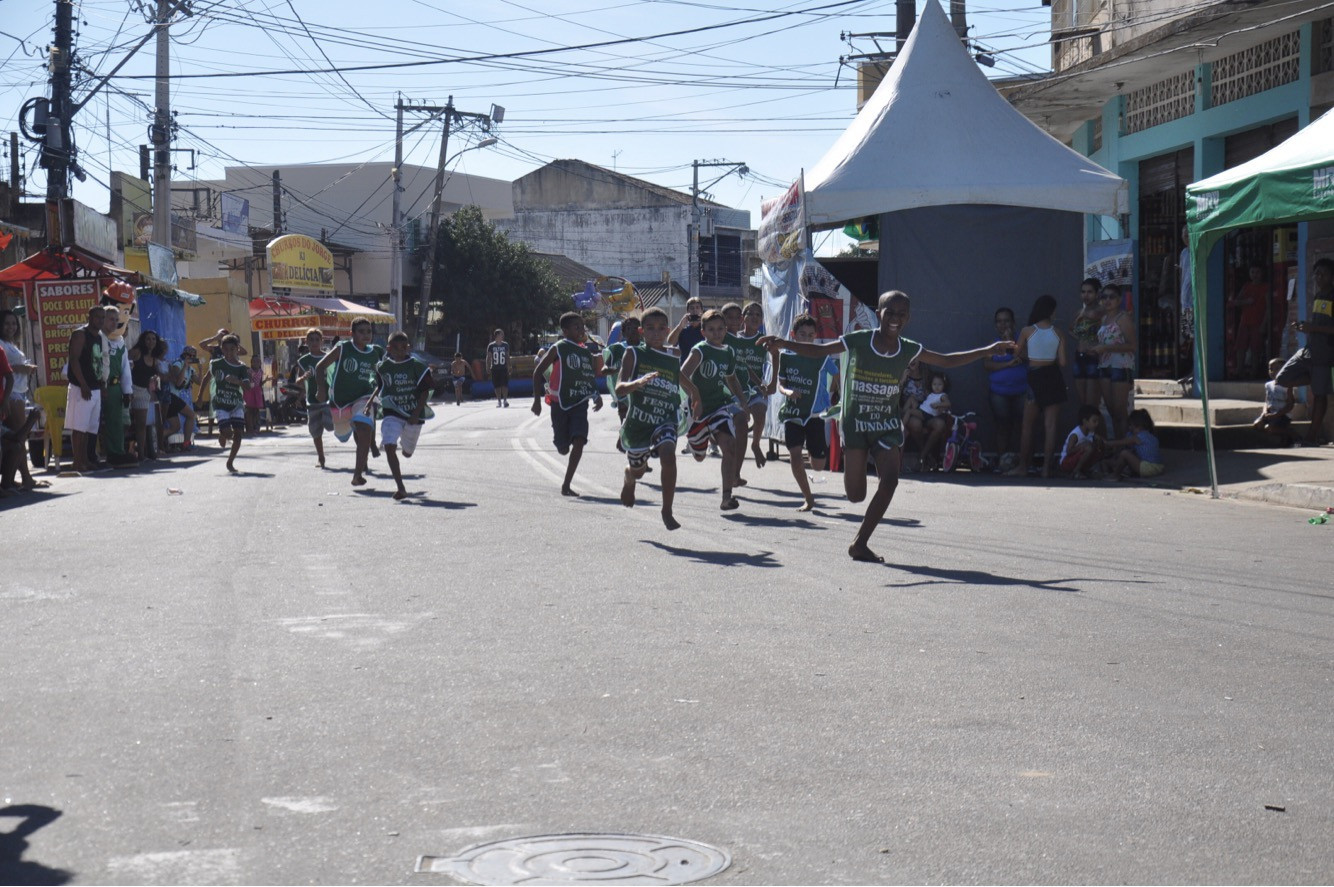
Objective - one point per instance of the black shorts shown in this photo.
(808, 434)
(500, 377)
(1046, 386)
(173, 406)
(568, 426)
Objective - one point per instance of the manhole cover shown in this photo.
(582, 859)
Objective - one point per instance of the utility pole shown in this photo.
(396, 225)
(450, 115)
(277, 203)
(161, 129)
(56, 152)
(740, 169)
(15, 191)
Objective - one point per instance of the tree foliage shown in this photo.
(483, 282)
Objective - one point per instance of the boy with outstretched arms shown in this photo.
(709, 377)
(649, 383)
(348, 390)
(797, 378)
(231, 379)
(743, 335)
(877, 365)
(402, 384)
(318, 417)
(573, 384)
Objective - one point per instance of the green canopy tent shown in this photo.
(1293, 182)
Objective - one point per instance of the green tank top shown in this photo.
(307, 363)
(399, 385)
(354, 373)
(658, 403)
(612, 356)
(750, 358)
(715, 365)
(577, 381)
(872, 384)
(228, 397)
(801, 375)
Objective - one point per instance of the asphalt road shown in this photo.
(271, 678)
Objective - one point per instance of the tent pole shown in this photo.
(1198, 264)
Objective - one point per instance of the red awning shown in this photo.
(63, 264)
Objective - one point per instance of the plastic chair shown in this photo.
(51, 398)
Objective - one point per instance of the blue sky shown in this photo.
(759, 83)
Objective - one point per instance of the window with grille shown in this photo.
(1160, 102)
(1271, 64)
(1324, 46)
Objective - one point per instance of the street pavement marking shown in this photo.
(302, 805)
(362, 630)
(183, 811)
(222, 866)
(553, 467)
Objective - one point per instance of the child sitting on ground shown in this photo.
(1141, 457)
(1276, 417)
(936, 409)
(1083, 448)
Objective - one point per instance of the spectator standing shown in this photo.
(1116, 357)
(1252, 304)
(1007, 382)
(20, 416)
(498, 364)
(254, 395)
(119, 387)
(1084, 329)
(83, 398)
(145, 381)
(1042, 344)
(1320, 342)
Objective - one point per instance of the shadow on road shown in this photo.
(718, 558)
(939, 576)
(33, 497)
(751, 520)
(413, 499)
(13, 868)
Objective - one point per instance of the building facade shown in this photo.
(1164, 95)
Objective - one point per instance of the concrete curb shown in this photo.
(1308, 496)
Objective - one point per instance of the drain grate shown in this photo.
(582, 859)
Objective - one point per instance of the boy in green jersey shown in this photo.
(348, 390)
(403, 384)
(318, 417)
(231, 378)
(613, 354)
(574, 371)
(876, 368)
(797, 379)
(743, 336)
(709, 377)
(649, 384)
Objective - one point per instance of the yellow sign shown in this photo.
(300, 262)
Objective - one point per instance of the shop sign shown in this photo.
(88, 229)
(300, 262)
(60, 307)
(296, 326)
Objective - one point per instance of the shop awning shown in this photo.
(286, 306)
(71, 263)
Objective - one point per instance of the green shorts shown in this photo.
(863, 440)
(1150, 469)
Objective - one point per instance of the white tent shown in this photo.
(937, 133)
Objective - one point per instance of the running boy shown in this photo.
(231, 380)
(459, 370)
(318, 417)
(649, 383)
(615, 352)
(743, 334)
(709, 377)
(403, 384)
(797, 379)
(573, 383)
(498, 365)
(877, 365)
(348, 390)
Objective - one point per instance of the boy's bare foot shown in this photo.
(859, 552)
(729, 504)
(628, 490)
(758, 453)
(808, 505)
(358, 480)
(566, 491)
(401, 494)
(670, 522)
(739, 482)
(231, 468)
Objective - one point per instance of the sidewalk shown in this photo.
(1298, 478)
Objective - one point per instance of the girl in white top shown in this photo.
(19, 417)
(1043, 346)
